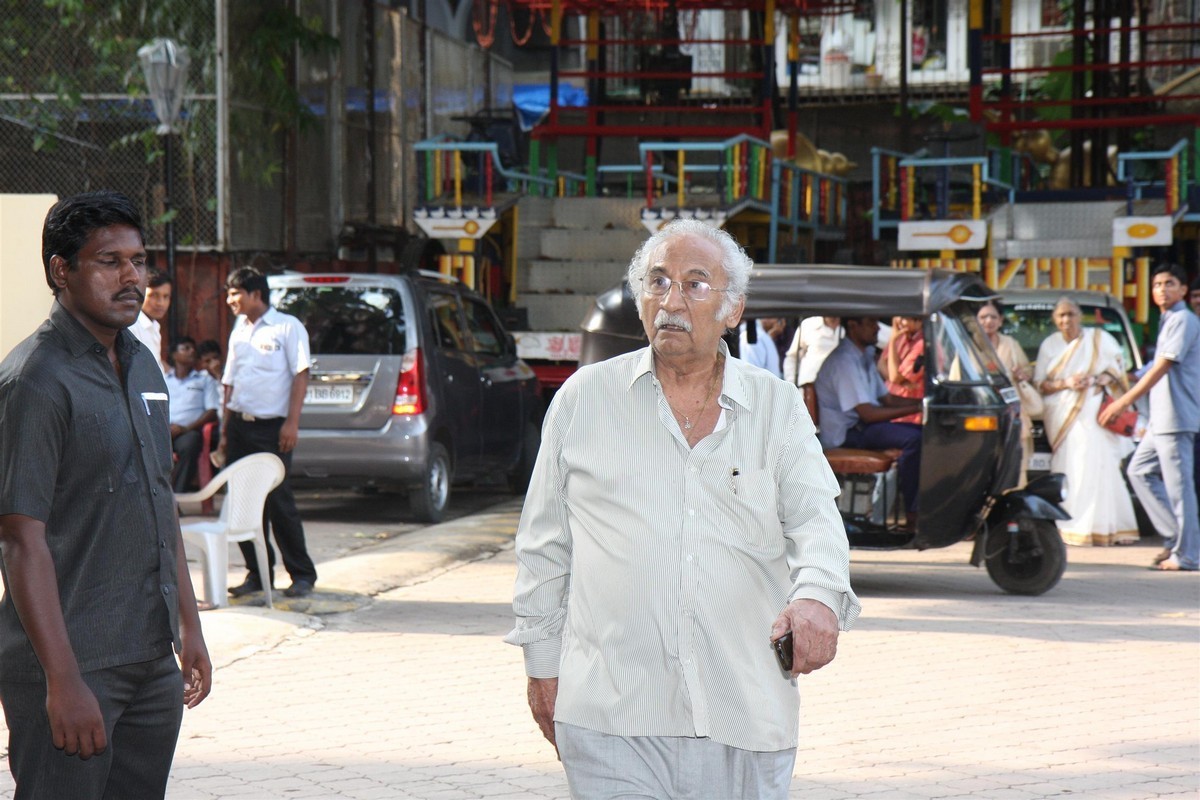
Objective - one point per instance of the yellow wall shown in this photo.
(24, 296)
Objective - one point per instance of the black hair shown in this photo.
(248, 279)
(158, 278)
(70, 222)
(995, 303)
(1196, 285)
(175, 345)
(1174, 270)
(208, 346)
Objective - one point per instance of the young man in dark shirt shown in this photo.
(97, 587)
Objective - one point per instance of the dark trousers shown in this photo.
(142, 705)
(903, 436)
(280, 516)
(187, 450)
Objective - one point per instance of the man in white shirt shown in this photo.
(762, 353)
(266, 375)
(680, 519)
(148, 327)
(815, 340)
(194, 401)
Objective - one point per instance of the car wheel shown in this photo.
(429, 499)
(1033, 563)
(531, 440)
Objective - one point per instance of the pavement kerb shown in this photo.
(350, 582)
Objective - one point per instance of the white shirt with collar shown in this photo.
(649, 572)
(263, 358)
(149, 333)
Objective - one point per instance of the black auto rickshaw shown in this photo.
(971, 448)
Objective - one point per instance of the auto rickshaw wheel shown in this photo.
(1029, 560)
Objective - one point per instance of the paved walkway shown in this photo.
(947, 688)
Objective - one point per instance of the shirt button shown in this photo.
(154, 492)
(166, 590)
(162, 543)
(691, 512)
(142, 442)
(689, 557)
(694, 470)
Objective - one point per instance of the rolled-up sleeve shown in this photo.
(818, 552)
(543, 549)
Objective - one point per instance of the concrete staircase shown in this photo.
(569, 250)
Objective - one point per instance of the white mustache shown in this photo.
(664, 318)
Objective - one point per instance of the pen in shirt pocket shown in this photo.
(733, 473)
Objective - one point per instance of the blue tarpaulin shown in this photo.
(532, 101)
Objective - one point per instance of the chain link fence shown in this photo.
(88, 134)
(284, 187)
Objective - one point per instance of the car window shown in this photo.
(347, 320)
(489, 340)
(447, 321)
(1030, 323)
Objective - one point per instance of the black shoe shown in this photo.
(300, 588)
(248, 586)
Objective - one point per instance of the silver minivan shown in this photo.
(414, 383)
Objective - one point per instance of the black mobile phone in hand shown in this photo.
(783, 651)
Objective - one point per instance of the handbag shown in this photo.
(1125, 423)
(1031, 399)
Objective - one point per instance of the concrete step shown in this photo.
(535, 212)
(595, 213)
(579, 277)
(591, 245)
(555, 312)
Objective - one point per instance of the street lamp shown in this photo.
(165, 65)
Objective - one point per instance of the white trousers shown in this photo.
(601, 766)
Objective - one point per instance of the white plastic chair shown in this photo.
(250, 480)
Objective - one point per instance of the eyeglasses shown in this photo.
(660, 285)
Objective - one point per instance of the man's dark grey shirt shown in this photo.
(92, 460)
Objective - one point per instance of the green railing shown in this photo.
(1166, 170)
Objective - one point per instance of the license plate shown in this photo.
(329, 395)
(1039, 462)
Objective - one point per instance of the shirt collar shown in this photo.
(731, 380)
(1180, 305)
(267, 316)
(78, 338)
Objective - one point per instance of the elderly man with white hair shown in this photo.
(680, 520)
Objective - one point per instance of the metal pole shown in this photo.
(372, 209)
(169, 166)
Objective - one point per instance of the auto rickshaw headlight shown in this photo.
(984, 423)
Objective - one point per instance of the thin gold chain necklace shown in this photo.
(712, 384)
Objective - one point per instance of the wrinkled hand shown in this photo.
(814, 629)
(76, 724)
(542, 694)
(288, 435)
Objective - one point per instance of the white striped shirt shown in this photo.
(649, 573)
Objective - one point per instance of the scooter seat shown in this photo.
(852, 461)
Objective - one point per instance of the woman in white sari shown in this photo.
(1072, 366)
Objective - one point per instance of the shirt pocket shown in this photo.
(160, 435)
(756, 509)
(97, 443)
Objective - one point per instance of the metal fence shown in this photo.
(242, 183)
(91, 135)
